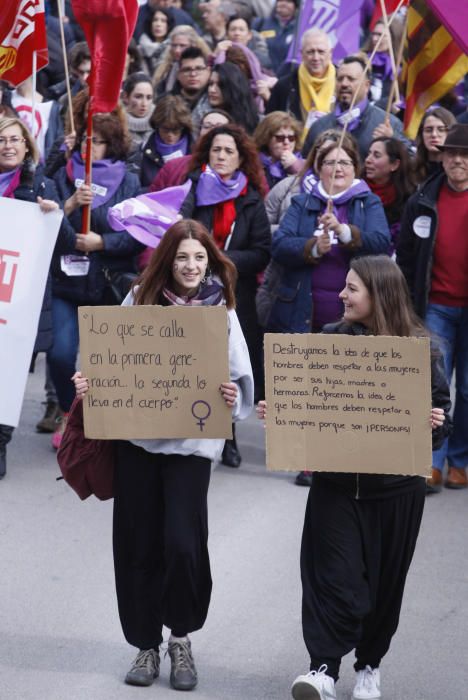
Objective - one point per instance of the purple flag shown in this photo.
(454, 16)
(148, 216)
(340, 19)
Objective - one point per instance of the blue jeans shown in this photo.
(62, 355)
(450, 325)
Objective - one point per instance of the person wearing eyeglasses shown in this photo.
(364, 121)
(101, 253)
(432, 133)
(171, 137)
(21, 179)
(192, 82)
(278, 138)
(320, 234)
(308, 92)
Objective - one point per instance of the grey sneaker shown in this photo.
(183, 671)
(144, 669)
(48, 423)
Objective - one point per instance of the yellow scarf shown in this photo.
(316, 93)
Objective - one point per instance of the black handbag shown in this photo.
(117, 287)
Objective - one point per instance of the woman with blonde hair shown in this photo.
(181, 37)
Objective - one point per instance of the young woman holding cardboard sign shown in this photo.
(161, 559)
(360, 530)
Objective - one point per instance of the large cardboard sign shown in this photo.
(27, 240)
(154, 371)
(348, 403)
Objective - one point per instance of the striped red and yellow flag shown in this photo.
(435, 63)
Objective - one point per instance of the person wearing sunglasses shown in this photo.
(278, 138)
(171, 137)
(320, 234)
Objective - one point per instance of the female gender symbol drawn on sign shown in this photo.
(206, 408)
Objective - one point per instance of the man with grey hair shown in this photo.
(308, 91)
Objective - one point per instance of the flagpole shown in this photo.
(33, 101)
(398, 64)
(354, 99)
(65, 65)
(86, 216)
(390, 45)
(296, 32)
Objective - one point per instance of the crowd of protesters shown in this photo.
(210, 98)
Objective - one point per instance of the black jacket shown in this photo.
(119, 251)
(414, 252)
(249, 246)
(376, 486)
(285, 96)
(148, 162)
(372, 117)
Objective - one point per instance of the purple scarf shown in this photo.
(210, 293)
(382, 66)
(8, 182)
(341, 199)
(275, 167)
(174, 150)
(212, 189)
(351, 118)
(106, 178)
(308, 181)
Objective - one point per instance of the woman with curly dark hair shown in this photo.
(82, 278)
(226, 196)
(229, 89)
(387, 171)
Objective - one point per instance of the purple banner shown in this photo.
(340, 19)
(454, 16)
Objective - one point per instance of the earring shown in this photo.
(207, 275)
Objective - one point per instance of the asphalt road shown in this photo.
(60, 637)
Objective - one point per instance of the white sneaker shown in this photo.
(315, 685)
(367, 684)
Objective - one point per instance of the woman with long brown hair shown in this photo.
(360, 530)
(161, 559)
(227, 197)
(432, 133)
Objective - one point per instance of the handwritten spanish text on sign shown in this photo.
(154, 371)
(348, 403)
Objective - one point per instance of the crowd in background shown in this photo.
(209, 88)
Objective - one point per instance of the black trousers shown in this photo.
(355, 556)
(161, 561)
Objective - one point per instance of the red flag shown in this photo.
(22, 31)
(108, 26)
(390, 7)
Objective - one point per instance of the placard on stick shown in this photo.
(348, 403)
(155, 371)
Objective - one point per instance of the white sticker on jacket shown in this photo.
(422, 226)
